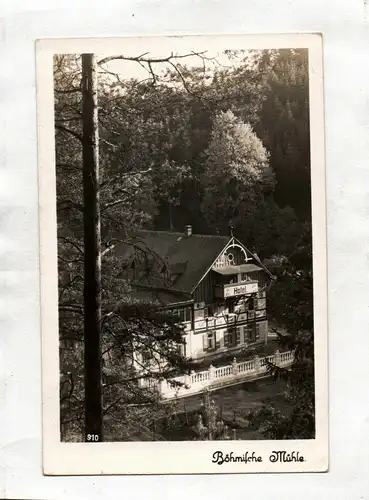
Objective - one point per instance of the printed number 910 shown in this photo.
(92, 437)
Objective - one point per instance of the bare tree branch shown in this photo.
(71, 308)
(68, 131)
(67, 91)
(65, 204)
(125, 174)
(72, 243)
(150, 60)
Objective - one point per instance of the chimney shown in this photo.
(188, 230)
(230, 228)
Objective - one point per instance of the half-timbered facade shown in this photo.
(214, 284)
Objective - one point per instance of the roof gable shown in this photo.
(256, 262)
(186, 257)
(182, 262)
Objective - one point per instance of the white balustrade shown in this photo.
(286, 357)
(197, 382)
(246, 366)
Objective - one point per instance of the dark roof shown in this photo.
(161, 297)
(187, 256)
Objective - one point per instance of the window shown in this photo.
(250, 304)
(251, 315)
(199, 314)
(238, 336)
(245, 277)
(232, 337)
(228, 339)
(209, 341)
(187, 314)
(230, 258)
(239, 306)
(250, 333)
(225, 260)
(247, 333)
(257, 332)
(261, 303)
(184, 348)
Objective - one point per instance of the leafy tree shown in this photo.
(208, 426)
(290, 304)
(271, 230)
(168, 121)
(150, 134)
(237, 174)
(171, 119)
(181, 147)
(284, 125)
(129, 329)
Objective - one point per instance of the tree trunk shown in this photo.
(92, 253)
(170, 217)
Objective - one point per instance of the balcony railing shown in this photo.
(236, 289)
(213, 378)
(233, 319)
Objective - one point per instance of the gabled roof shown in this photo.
(161, 297)
(175, 263)
(188, 256)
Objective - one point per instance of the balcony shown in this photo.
(228, 320)
(236, 289)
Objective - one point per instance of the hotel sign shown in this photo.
(235, 290)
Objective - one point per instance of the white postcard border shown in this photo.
(173, 457)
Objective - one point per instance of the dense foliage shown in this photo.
(236, 175)
(131, 329)
(291, 307)
(204, 145)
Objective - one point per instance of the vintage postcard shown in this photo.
(183, 254)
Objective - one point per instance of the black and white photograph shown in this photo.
(189, 249)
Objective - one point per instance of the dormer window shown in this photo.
(176, 270)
